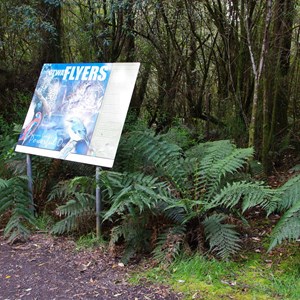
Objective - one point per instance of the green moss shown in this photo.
(259, 276)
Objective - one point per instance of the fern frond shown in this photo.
(3, 183)
(223, 239)
(288, 226)
(139, 192)
(66, 188)
(16, 199)
(175, 210)
(66, 225)
(136, 236)
(211, 151)
(289, 193)
(153, 148)
(169, 244)
(216, 160)
(211, 175)
(79, 202)
(249, 193)
(179, 173)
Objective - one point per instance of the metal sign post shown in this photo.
(29, 175)
(98, 203)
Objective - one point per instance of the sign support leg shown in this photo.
(29, 175)
(98, 203)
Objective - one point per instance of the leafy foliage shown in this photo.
(223, 239)
(15, 203)
(135, 198)
(169, 244)
(288, 202)
(208, 177)
(79, 204)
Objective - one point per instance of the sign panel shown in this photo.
(78, 112)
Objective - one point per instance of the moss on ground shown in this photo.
(257, 276)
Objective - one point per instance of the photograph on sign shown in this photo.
(78, 111)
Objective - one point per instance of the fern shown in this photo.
(136, 235)
(138, 193)
(288, 203)
(223, 239)
(169, 244)
(217, 165)
(288, 226)
(79, 203)
(16, 201)
(289, 193)
(250, 194)
(146, 148)
(188, 186)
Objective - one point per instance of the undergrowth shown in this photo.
(252, 276)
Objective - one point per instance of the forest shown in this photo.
(209, 153)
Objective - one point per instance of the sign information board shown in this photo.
(78, 112)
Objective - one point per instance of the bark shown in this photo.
(257, 69)
(277, 84)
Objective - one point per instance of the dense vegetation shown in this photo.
(215, 110)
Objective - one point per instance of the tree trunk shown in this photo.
(276, 100)
(257, 70)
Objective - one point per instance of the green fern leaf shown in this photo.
(289, 193)
(223, 239)
(15, 198)
(249, 193)
(288, 226)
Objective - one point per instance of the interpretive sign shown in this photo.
(78, 111)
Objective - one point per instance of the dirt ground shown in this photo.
(50, 268)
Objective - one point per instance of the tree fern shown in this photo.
(223, 239)
(197, 182)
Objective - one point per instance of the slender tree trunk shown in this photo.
(257, 69)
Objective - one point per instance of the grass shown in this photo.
(44, 222)
(254, 277)
(88, 241)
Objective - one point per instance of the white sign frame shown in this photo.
(102, 137)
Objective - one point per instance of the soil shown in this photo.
(47, 267)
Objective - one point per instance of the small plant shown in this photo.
(87, 241)
(44, 222)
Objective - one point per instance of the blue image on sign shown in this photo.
(65, 107)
